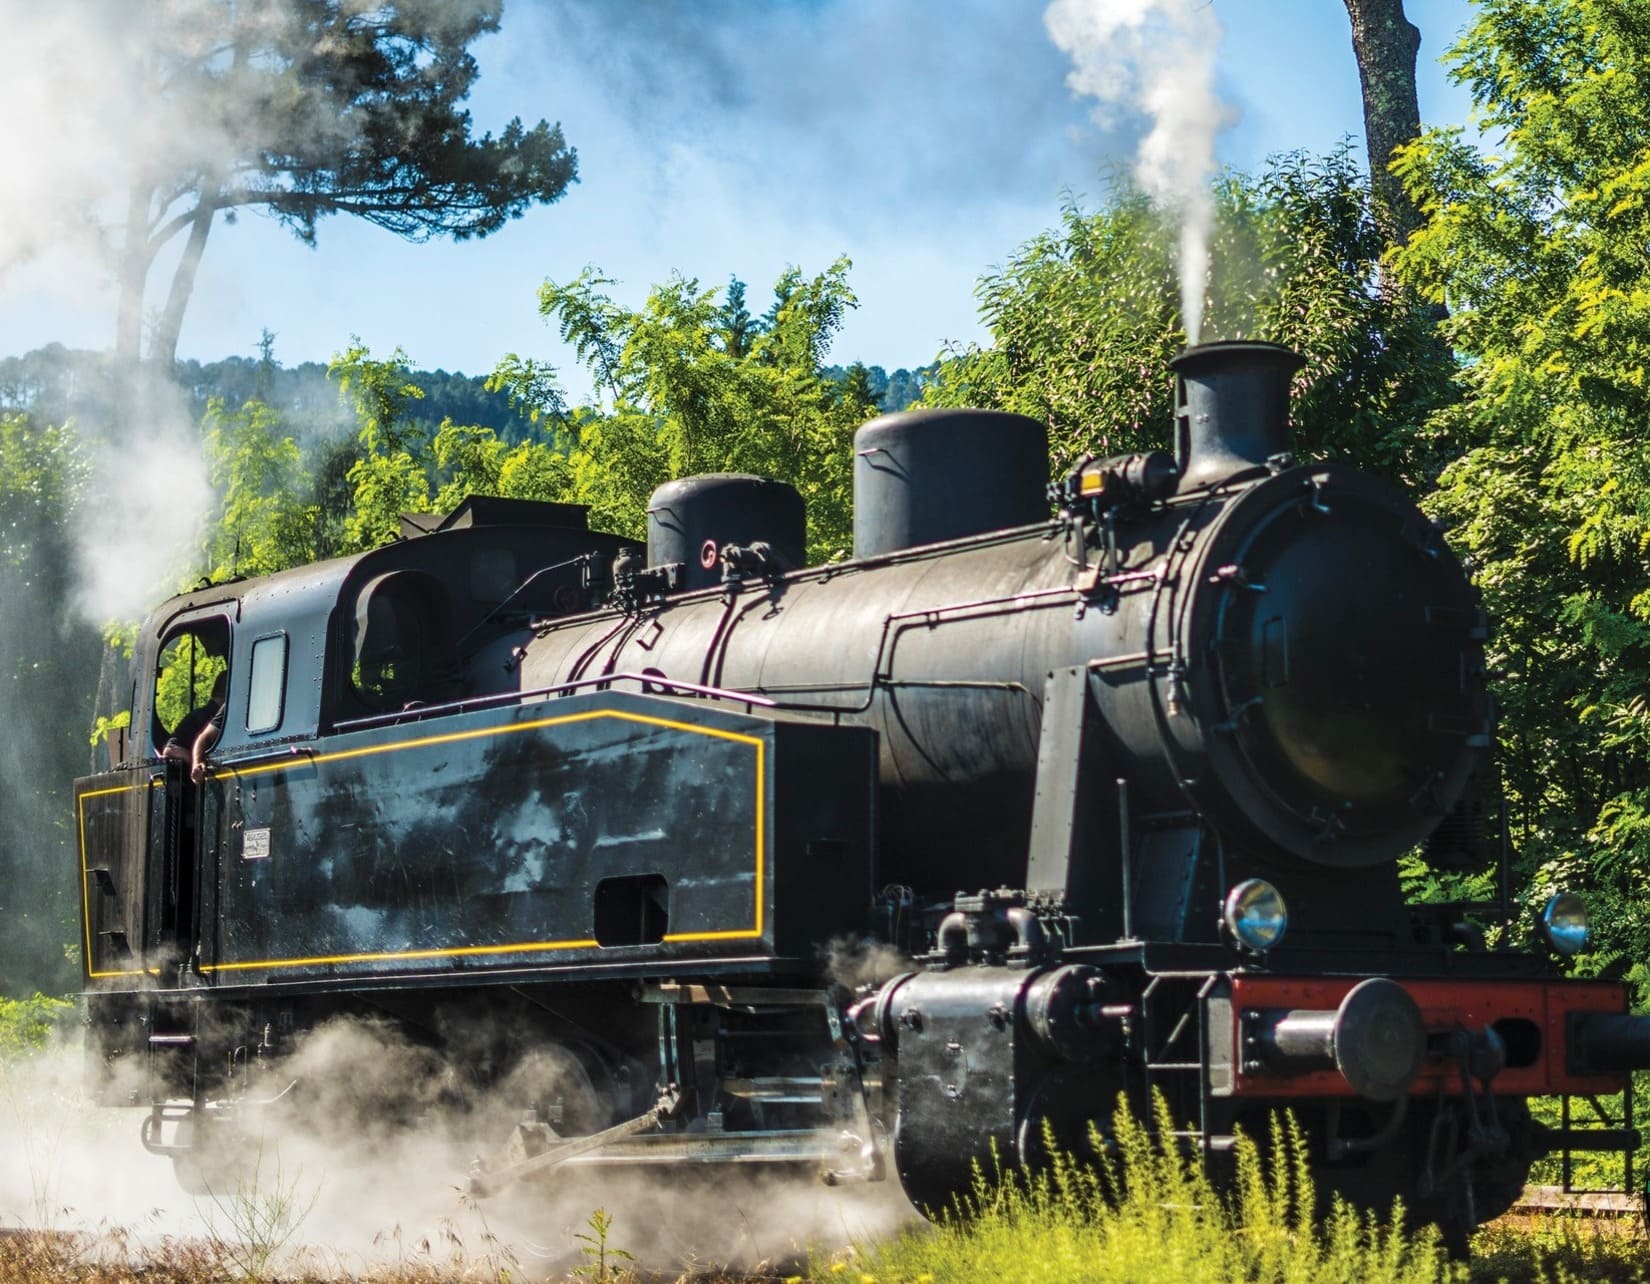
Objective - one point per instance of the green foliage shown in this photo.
(54, 384)
(48, 661)
(266, 522)
(692, 383)
(1084, 318)
(389, 477)
(1151, 1214)
(530, 386)
(1560, 1250)
(42, 468)
(1538, 250)
(107, 724)
(27, 1025)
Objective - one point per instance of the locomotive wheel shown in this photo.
(212, 1166)
(1496, 1183)
(1371, 1181)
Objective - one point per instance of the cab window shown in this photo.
(190, 663)
(266, 684)
(402, 651)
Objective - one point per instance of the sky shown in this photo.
(924, 139)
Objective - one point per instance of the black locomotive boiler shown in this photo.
(1123, 779)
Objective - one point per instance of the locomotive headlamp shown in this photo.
(1094, 481)
(1119, 481)
(1256, 915)
(1564, 924)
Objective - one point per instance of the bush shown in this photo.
(27, 1025)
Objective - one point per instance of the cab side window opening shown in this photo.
(189, 664)
(402, 654)
(266, 684)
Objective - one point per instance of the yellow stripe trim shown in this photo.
(457, 951)
(481, 733)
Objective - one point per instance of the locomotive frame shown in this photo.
(624, 809)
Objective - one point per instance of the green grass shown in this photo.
(1560, 1249)
(1151, 1216)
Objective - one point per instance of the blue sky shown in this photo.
(925, 139)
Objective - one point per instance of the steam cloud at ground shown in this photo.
(373, 1184)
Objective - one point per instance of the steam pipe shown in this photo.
(962, 933)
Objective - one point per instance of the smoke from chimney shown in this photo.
(1157, 58)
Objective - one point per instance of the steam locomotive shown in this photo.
(1048, 795)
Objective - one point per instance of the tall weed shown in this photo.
(1148, 1213)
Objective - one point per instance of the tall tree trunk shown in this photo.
(134, 272)
(163, 346)
(1385, 43)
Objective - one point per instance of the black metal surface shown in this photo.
(1338, 698)
(923, 476)
(692, 520)
(551, 828)
(1233, 408)
(1076, 851)
(1609, 1041)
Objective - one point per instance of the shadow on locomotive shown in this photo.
(1124, 788)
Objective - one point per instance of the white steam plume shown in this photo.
(87, 123)
(148, 494)
(1157, 57)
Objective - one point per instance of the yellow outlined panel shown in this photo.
(86, 880)
(759, 889)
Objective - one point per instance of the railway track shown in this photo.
(1591, 1204)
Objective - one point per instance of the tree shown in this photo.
(1385, 44)
(390, 474)
(312, 108)
(1537, 247)
(1084, 319)
(48, 665)
(267, 521)
(692, 383)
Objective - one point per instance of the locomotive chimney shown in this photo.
(1231, 408)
